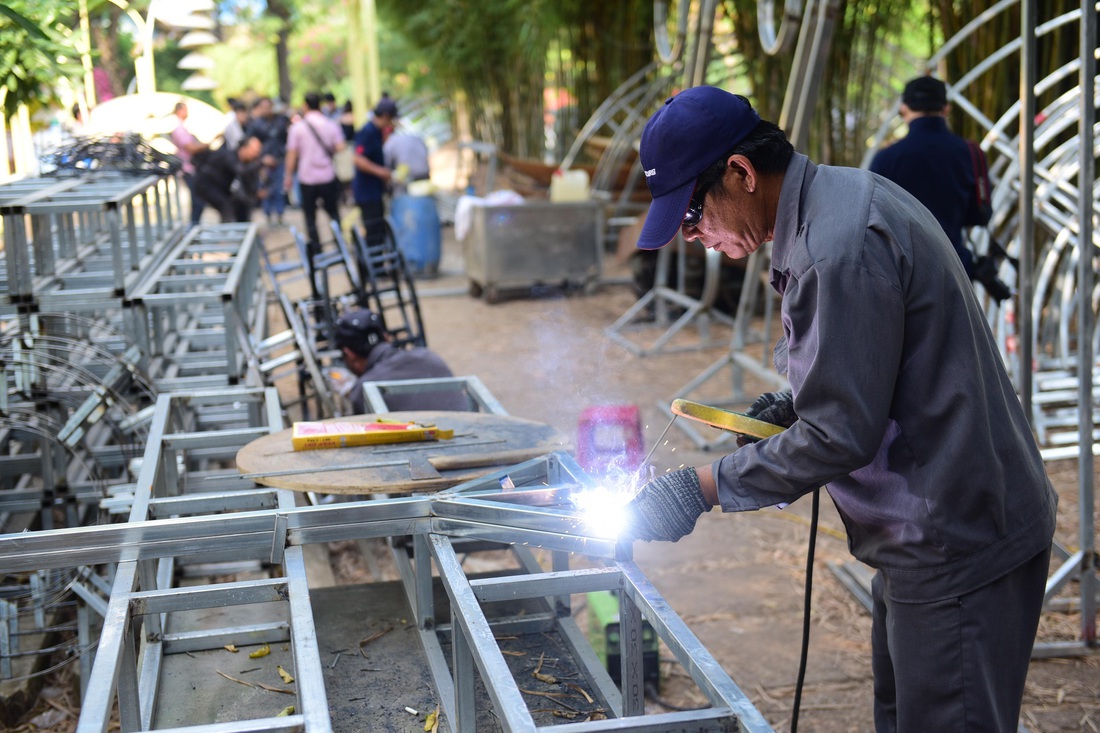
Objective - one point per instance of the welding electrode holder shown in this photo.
(734, 422)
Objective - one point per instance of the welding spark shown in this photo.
(602, 509)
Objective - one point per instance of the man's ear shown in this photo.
(743, 171)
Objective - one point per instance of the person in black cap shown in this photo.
(371, 173)
(364, 342)
(900, 406)
(227, 179)
(935, 165)
(329, 108)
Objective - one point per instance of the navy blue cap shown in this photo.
(359, 330)
(386, 107)
(679, 142)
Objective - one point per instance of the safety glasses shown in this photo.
(709, 177)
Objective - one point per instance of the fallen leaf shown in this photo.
(287, 711)
(371, 638)
(270, 688)
(231, 648)
(552, 697)
(234, 679)
(431, 723)
(548, 679)
(287, 678)
(581, 690)
(261, 652)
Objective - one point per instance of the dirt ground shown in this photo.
(738, 579)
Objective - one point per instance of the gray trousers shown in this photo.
(958, 664)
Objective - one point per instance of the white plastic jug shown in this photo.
(569, 185)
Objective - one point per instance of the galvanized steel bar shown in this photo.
(697, 661)
(1086, 277)
(508, 703)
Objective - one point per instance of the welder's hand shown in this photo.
(774, 407)
(667, 507)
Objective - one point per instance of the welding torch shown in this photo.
(716, 417)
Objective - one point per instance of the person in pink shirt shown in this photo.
(187, 145)
(310, 145)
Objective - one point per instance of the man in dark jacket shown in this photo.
(227, 179)
(362, 338)
(371, 173)
(900, 406)
(270, 123)
(934, 164)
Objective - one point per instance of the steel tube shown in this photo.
(499, 683)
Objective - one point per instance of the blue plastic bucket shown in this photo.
(417, 230)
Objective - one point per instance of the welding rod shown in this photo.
(662, 436)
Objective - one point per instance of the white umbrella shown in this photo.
(195, 60)
(154, 114)
(198, 83)
(194, 39)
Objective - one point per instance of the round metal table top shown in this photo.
(483, 443)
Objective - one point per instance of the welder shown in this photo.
(900, 406)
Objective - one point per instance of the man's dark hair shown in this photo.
(766, 147)
(313, 101)
(330, 97)
(260, 101)
(247, 140)
(925, 94)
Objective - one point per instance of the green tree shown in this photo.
(34, 52)
(497, 57)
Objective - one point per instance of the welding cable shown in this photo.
(806, 611)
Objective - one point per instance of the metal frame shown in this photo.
(136, 638)
(196, 311)
(168, 523)
(88, 242)
(479, 396)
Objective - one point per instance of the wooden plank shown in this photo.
(484, 442)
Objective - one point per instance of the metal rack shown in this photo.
(195, 311)
(170, 524)
(80, 244)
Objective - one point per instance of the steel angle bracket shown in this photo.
(733, 422)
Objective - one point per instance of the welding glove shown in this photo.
(774, 407)
(667, 507)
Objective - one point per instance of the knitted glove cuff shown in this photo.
(668, 507)
(776, 408)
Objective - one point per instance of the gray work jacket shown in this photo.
(906, 413)
(387, 362)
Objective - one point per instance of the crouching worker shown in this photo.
(368, 354)
(900, 406)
